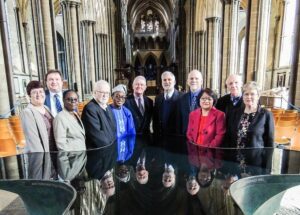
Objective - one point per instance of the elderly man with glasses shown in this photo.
(98, 118)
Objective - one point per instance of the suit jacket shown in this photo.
(35, 130)
(69, 133)
(225, 104)
(48, 100)
(213, 131)
(260, 132)
(158, 114)
(71, 164)
(99, 125)
(183, 111)
(141, 122)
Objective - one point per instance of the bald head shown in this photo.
(234, 84)
(195, 80)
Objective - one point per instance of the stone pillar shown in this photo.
(88, 57)
(213, 53)
(7, 92)
(294, 96)
(71, 31)
(258, 40)
(48, 30)
(230, 39)
(262, 45)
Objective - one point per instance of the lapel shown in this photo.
(256, 117)
(135, 107)
(211, 116)
(73, 122)
(175, 95)
(40, 124)
(47, 100)
(146, 104)
(103, 115)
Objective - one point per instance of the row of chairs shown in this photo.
(12, 136)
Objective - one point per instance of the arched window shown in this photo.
(287, 33)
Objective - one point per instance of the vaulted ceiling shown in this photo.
(164, 8)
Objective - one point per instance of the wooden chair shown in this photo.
(295, 144)
(285, 131)
(291, 111)
(290, 114)
(7, 147)
(277, 110)
(17, 130)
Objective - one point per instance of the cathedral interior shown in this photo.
(116, 40)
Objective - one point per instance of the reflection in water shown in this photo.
(148, 175)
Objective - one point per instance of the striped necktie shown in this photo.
(141, 108)
(57, 103)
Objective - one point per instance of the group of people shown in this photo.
(51, 120)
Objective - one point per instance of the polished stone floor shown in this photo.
(148, 175)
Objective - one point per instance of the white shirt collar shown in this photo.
(52, 94)
(170, 93)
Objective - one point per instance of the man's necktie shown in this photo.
(235, 100)
(57, 103)
(193, 103)
(167, 96)
(141, 108)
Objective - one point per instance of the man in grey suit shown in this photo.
(98, 119)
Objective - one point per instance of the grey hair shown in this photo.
(100, 83)
(140, 77)
(167, 73)
(252, 85)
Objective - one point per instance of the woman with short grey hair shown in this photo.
(251, 125)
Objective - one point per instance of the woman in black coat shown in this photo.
(251, 125)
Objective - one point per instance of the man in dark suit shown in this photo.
(234, 99)
(188, 102)
(164, 117)
(140, 106)
(98, 119)
(54, 97)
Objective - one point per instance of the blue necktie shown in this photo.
(57, 103)
(235, 100)
(193, 103)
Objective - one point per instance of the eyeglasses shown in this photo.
(250, 94)
(120, 97)
(206, 99)
(35, 92)
(101, 92)
(71, 99)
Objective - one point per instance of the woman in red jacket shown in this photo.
(206, 124)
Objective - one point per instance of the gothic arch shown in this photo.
(147, 56)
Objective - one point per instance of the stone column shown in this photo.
(71, 31)
(263, 37)
(230, 38)
(48, 33)
(258, 41)
(7, 92)
(88, 57)
(294, 96)
(213, 53)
